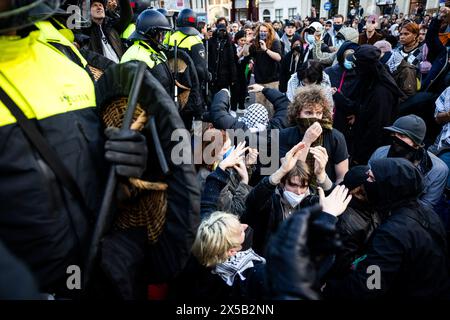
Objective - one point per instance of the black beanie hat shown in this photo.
(355, 177)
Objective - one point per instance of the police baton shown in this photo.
(105, 209)
(206, 52)
(175, 70)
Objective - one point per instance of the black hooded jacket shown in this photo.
(409, 248)
(375, 107)
(347, 82)
(221, 61)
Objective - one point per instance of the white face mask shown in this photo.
(293, 198)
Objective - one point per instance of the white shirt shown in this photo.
(108, 51)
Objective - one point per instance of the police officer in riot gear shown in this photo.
(43, 222)
(151, 27)
(187, 38)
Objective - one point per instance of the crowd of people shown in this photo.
(355, 113)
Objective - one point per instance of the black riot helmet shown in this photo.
(150, 25)
(187, 22)
(18, 14)
(163, 11)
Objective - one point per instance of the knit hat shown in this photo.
(240, 34)
(355, 177)
(372, 18)
(255, 116)
(383, 45)
(290, 23)
(103, 2)
(411, 126)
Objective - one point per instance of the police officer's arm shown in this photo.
(125, 16)
(199, 58)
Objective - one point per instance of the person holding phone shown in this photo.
(266, 54)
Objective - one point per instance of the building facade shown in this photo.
(288, 9)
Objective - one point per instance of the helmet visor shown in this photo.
(18, 14)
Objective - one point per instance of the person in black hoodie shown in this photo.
(357, 224)
(376, 105)
(221, 61)
(345, 80)
(408, 251)
(239, 89)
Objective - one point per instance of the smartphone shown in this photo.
(262, 36)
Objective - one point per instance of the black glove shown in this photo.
(127, 150)
(291, 275)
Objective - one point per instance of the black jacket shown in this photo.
(222, 119)
(289, 66)
(355, 227)
(198, 283)
(265, 213)
(221, 62)
(375, 107)
(112, 28)
(409, 247)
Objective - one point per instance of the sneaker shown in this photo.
(233, 113)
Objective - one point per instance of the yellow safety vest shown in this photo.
(183, 41)
(50, 34)
(40, 79)
(128, 31)
(143, 52)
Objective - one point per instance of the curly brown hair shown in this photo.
(310, 95)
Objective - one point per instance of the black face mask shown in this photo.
(337, 27)
(400, 149)
(297, 49)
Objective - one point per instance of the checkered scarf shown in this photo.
(255, 116)
(236, 265)
(443, 105)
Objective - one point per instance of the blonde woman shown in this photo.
(265, 49)
(222, 268)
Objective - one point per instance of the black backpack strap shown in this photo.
(178, 44)
(47, 153)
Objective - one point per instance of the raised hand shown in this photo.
(336, 202)
(312, 133)
(320, 161)
(234, 157)
(242, 170)
(251, 157)
(255, 88)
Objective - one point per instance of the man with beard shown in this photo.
(407, 255)
(407, 135)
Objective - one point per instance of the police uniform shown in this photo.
(156, 62)
(196, 49)
(40, 221)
